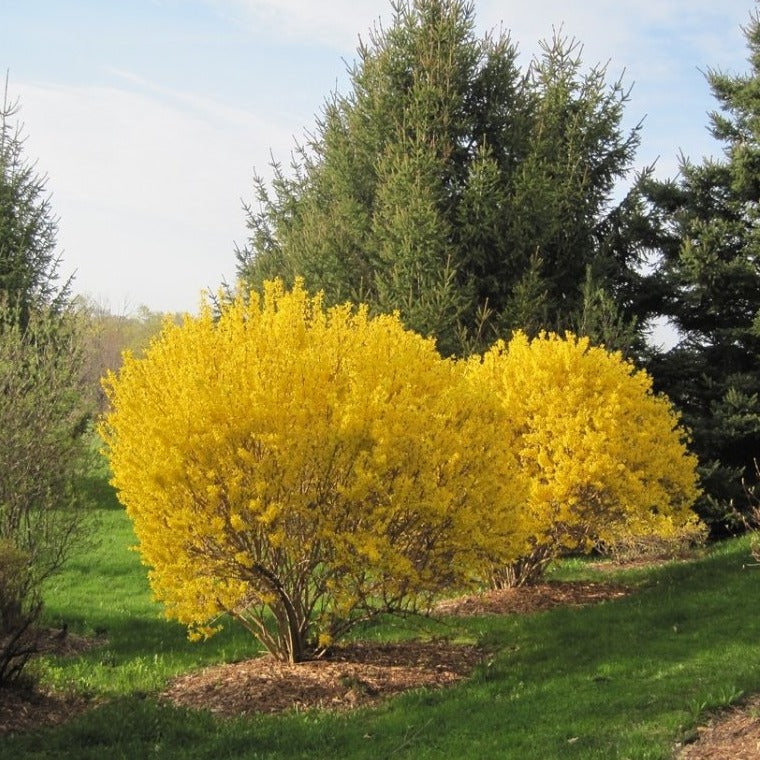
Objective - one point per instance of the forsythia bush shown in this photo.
(604, 458)
(303, 469)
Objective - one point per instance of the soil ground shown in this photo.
(733, 734)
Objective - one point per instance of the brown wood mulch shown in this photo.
(27, 709)
(527, 599)
(355, 675)
(733, 734)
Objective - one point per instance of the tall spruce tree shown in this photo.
(469, 195)
(709, 278)
(29, 262)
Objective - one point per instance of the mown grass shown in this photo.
(624, 679)
(105, 593)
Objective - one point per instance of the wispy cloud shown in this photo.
(336, 24)
(125, 160)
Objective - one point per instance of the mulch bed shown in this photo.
(65, 644)
(733, 734)
(363, 673)
(527, 599)
(24, 709)
(355, 675)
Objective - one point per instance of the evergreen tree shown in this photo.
(28, 259)
(450, 185)
(709, 280)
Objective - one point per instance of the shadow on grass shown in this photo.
(98, 489)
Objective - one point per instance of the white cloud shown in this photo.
(336, 24)
(147, 184)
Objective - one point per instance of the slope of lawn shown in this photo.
(623, 679)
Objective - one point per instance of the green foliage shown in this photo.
(13, 568)
(449, 185)
(43, 407)
(19, 608)
(709, 278)
(602, 320)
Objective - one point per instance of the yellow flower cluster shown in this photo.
(603, 456)
(301, 468)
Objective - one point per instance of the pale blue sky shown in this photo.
(149, 116)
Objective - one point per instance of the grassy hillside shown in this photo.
(623, 679)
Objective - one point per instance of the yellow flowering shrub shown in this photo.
(604, 457)
(301, 469)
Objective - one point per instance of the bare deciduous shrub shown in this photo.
(653, 547)
(750, 517)
(44, 415)
(20, 606)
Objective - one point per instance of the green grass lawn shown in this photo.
(623, 679)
